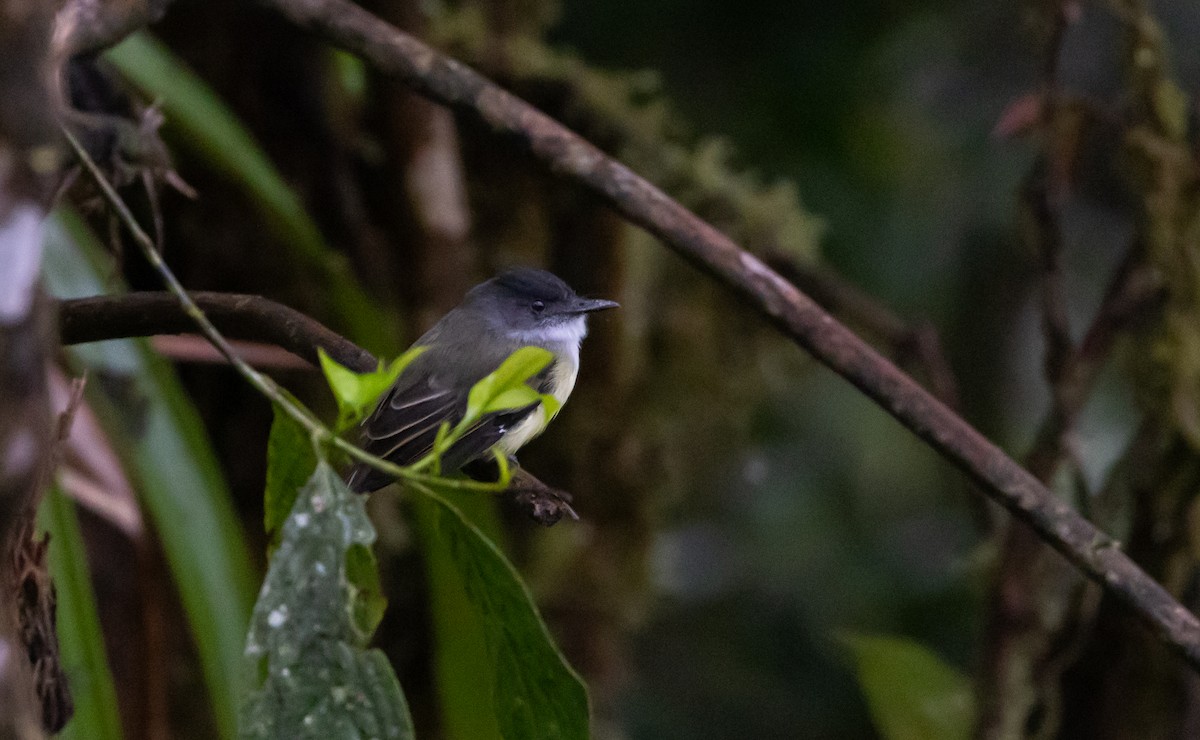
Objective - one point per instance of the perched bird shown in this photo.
(519, 308)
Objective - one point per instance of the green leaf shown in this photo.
(362, 571)
(321, 681)
(513, 398)
(290, 460)
(79, 634)
(911, 692)
(201, 121)
(358, 393)
(165, 450)
(551, 404)
(512, 374)
(342, 381)
(499, 673)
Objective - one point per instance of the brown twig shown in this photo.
(792, 312)
(91, 25)
(1131, 291)
(238, 316)
(195, 348)
(915, 343)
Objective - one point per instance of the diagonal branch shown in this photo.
(793, 313)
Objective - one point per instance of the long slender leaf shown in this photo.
(205, 124)
(79, 635)
(499, 673)
(163, 443)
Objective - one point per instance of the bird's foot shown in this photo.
(544, 504)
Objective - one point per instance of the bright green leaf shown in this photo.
(290, 460)
(79, 634)
(342, 381)
(513, 398)
(512, 373)
(358, 393)
(912, 694)
(551, 404)
(321, 681)
(500, 674)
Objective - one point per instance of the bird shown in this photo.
(517, 308)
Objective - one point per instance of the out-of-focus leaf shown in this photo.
(369, 602)
(357, 393)
(912, 693)
(79, 635)
(290, 460)
(321, 682)
(512, 374)
(203, 122)
(499, 673)
(153, 424)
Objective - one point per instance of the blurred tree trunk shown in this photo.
(33, 692)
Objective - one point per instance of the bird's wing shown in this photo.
(403, 427)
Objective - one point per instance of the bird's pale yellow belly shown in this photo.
(562, 382)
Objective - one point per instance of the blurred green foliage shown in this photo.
(913, 695)
(79, 635)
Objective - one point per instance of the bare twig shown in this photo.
(915, 343)
(197, 349)
(796, 315)
(236, 316)
(91, 25)
(1039, 610)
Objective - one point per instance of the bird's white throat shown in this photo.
(563, 340)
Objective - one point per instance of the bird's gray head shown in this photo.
(535, 307)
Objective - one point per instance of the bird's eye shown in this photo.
(538, 306)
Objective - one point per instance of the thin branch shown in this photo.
(910, 343)
(1131, 291)
(191, 348)
(795, 314)
(90, 25)
(236, 316)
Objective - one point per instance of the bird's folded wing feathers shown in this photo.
(404, 426)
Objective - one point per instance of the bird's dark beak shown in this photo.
(589, 305)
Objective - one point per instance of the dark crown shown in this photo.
(527, 282)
